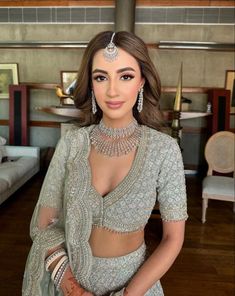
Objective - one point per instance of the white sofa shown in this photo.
(22, 163)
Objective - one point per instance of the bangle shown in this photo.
(53, 257)
(58, 265)
(60, 274)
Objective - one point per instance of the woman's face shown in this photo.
(116, 85)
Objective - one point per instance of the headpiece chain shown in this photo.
(111, 51)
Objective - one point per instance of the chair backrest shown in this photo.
(219, 152)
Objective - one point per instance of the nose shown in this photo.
(112, 89)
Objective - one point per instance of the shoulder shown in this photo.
(76, 138)
(160, 140)
(77, 133)
(161, 145)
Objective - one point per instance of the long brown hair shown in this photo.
(132, 44)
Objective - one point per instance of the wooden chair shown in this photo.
(219, 154)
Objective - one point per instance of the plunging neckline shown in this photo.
(130, 177)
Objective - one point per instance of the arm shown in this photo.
(47, 224)
(173, 207)
(160, 261)
(70, 287)
(68, 284)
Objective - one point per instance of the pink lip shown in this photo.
(114, 104)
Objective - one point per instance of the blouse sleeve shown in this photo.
(171, 191)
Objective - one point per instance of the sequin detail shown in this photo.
(112, 274)
(156, 174)
(115, 141)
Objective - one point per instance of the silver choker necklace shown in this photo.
(115, 141)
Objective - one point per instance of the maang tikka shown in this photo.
(111, 51)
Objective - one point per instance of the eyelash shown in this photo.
(128, 76)
(100, 78)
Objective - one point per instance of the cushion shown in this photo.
(218, 185)
(3, 185)
(9, 173)
(25, 163)
(12, 171)
(2, 141)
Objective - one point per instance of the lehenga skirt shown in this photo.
(112, 274)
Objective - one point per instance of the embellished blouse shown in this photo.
(156, 174)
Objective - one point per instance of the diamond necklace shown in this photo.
(115, 141)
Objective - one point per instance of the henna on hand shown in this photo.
(74, 289)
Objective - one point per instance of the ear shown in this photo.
(142, 82)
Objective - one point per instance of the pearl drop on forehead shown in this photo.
(110, 52)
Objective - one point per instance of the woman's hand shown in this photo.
(75, 290)
(78, 291)
(70, 287)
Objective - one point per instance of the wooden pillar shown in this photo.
(18, 115)
(125, 15)
(220, 103)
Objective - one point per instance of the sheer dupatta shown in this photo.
(47, 225)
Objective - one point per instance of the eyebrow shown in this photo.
(118, 71)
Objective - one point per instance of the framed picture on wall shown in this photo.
(230, 84)
(68, 79)
(8, 75)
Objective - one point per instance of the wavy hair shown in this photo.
(132, 44)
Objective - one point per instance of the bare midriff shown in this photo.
(107, 243)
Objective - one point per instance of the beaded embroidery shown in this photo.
(157, 167)
(115, 141)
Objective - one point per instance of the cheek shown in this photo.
(99, 92)
(132, 92)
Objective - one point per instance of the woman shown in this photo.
(100, 188)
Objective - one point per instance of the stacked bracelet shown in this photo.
(60, 268)
(57, 267)
(50, 259)
(60, 273)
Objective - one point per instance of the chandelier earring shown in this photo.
(140, 100)
(93, 102)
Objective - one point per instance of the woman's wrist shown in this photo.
(127, 292)
(66, 282)
(70, 286)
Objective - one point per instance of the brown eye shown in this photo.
(127, 77)
(99, 78)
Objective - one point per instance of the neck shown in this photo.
(117, 123)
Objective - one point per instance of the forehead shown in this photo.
(124, 59)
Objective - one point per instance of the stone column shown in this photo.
(125, 15)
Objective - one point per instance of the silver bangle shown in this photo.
(58, 266)
(53, 257)
(61, 275)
